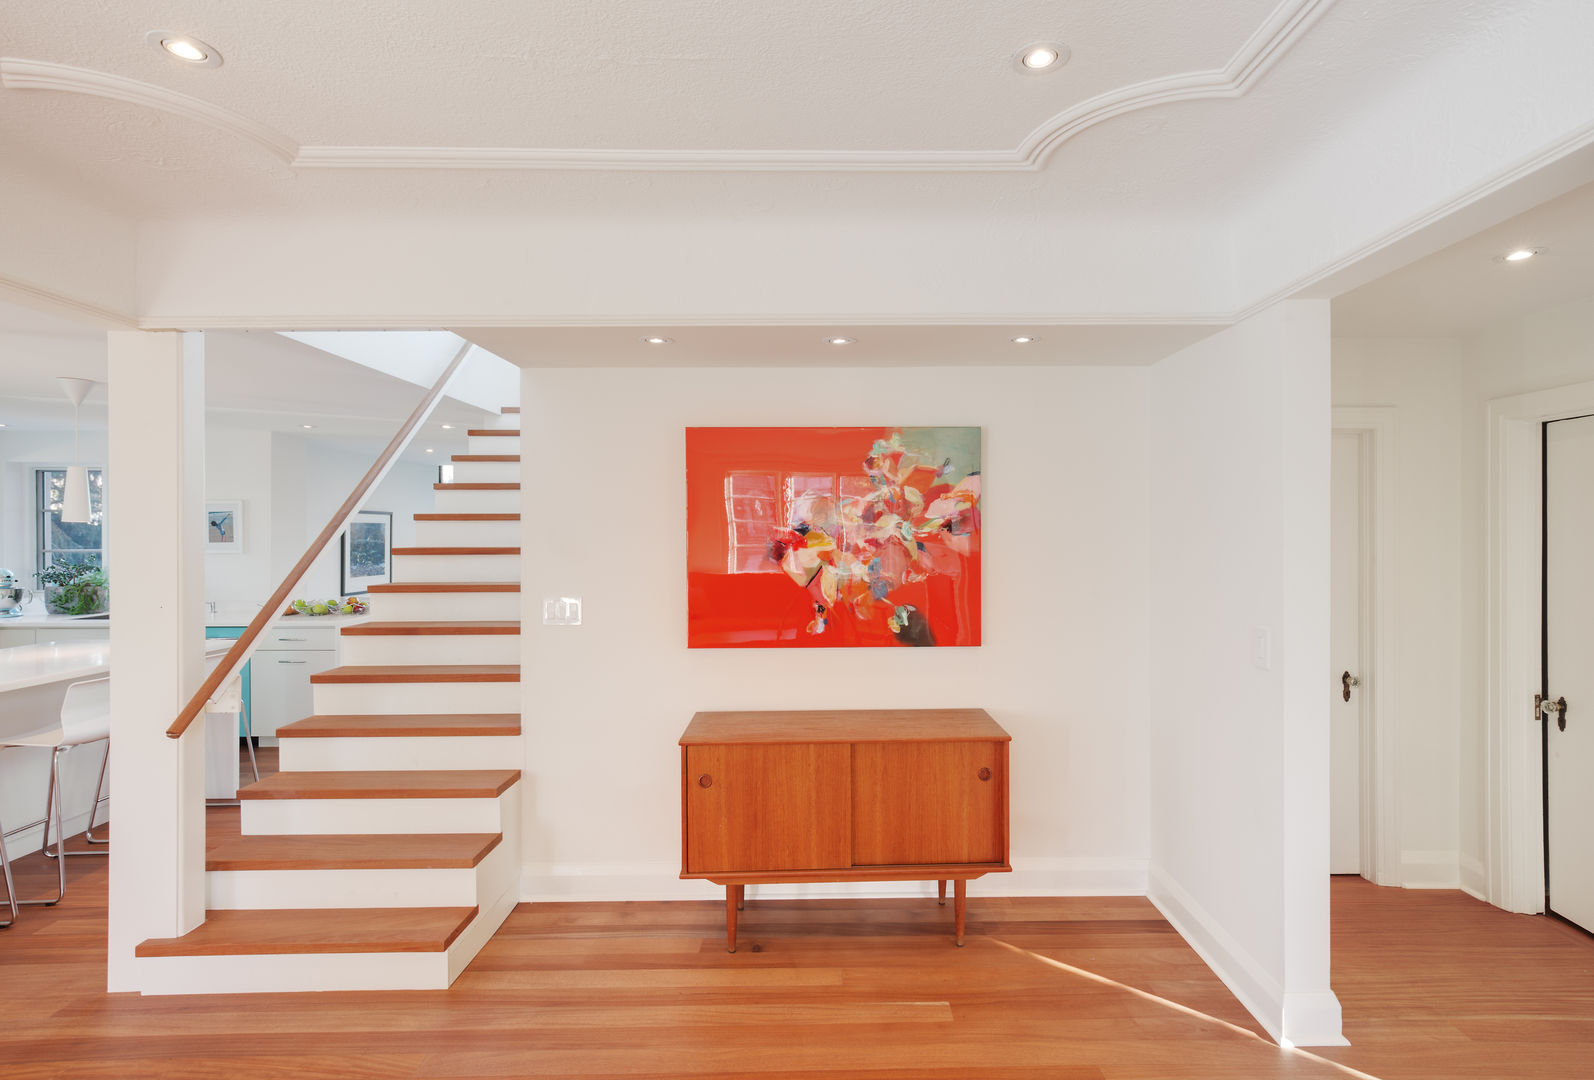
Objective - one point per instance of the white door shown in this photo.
(1569, 666)
(1347, 556)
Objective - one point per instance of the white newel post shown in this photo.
(156, 541)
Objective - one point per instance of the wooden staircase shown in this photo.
(387, 850)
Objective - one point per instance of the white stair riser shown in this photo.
(467, 534)
(493, 444)
(487, 472)
(293, 972)
(456, 568)
(446, 606)
(424, 752)
(323, 817)
(341, 699)
(387, 649)
(478, 501)
(287, 889)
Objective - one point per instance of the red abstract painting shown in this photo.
(827, 537)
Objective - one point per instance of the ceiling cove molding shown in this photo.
(1283, 27)
(18, 74)
(477, 321)
(61, 304)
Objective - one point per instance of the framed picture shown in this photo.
(827, 537)
(224, 526)
(367, 551)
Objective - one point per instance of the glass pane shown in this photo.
(70, 541)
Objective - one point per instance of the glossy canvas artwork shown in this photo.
(827, 537)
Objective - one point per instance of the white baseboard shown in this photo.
(27, 841)
(1258, 991)
(575, 882)
(1474, 882)
(1430, 870)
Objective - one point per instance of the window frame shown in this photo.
(42, 553)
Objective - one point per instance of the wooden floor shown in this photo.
(1433, 985)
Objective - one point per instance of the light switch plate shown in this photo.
(1262, 647)
(561, 611)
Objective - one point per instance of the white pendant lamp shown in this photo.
(75, 499)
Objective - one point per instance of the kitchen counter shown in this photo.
(40, 620)
(36, 665)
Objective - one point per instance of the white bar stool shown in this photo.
(85, 718)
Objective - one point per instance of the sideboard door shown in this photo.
(928, 802)
(767, 807)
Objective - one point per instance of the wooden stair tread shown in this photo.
(418, 673)
(509, 410)
(475, 487)
(402, 628)
(485, 457)
(401, 725)
(328, 930)
(445, 586)
(378, 851)
(481, 433)
(456, 551)
(467, 517)
(384, 784)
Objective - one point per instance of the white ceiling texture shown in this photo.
(558, 180)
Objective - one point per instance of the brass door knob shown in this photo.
(984, 774)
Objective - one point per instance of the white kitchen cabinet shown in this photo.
(280, 680)
(12, 636)
(61, 635)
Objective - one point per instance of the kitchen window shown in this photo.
(69, 541)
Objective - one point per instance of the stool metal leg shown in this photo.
(249, 741)
(52, 808)
(11, 886)
(60, 821)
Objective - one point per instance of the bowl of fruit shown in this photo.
(352, 605)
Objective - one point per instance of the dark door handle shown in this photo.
(1347, 681)
(1558, 707)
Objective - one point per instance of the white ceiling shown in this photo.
(1468, 286)
(253, 380)
(1168, 107)
(806, 346)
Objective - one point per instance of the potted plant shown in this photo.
(75, 588)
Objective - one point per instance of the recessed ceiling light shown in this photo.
(1521, 254)
(184, 47)
(1023, 340)
(428, 449)
(307, 427)
(1042, 56)
(657, 340)
(448, 427)
(840, 341)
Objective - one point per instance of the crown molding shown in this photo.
(410, 321)
(19, 74)
(61, 304)
(1284, 26)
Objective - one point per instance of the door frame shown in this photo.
(1376, 428)
(1514, 640)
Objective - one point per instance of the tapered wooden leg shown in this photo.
(741, 897)
(730, 918)
(940, 888)
(960, 897)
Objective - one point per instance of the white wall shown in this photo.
(1062, 666)
(238, 466)
(328, 478)
(1239, 438)
(1422, 380)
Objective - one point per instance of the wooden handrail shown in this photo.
(245, 645)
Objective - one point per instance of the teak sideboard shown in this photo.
(857, 795)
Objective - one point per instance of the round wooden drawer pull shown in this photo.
(985, 774)
(705, 780)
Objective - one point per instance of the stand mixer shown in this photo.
(12, 595)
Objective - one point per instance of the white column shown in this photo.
(155, 520)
